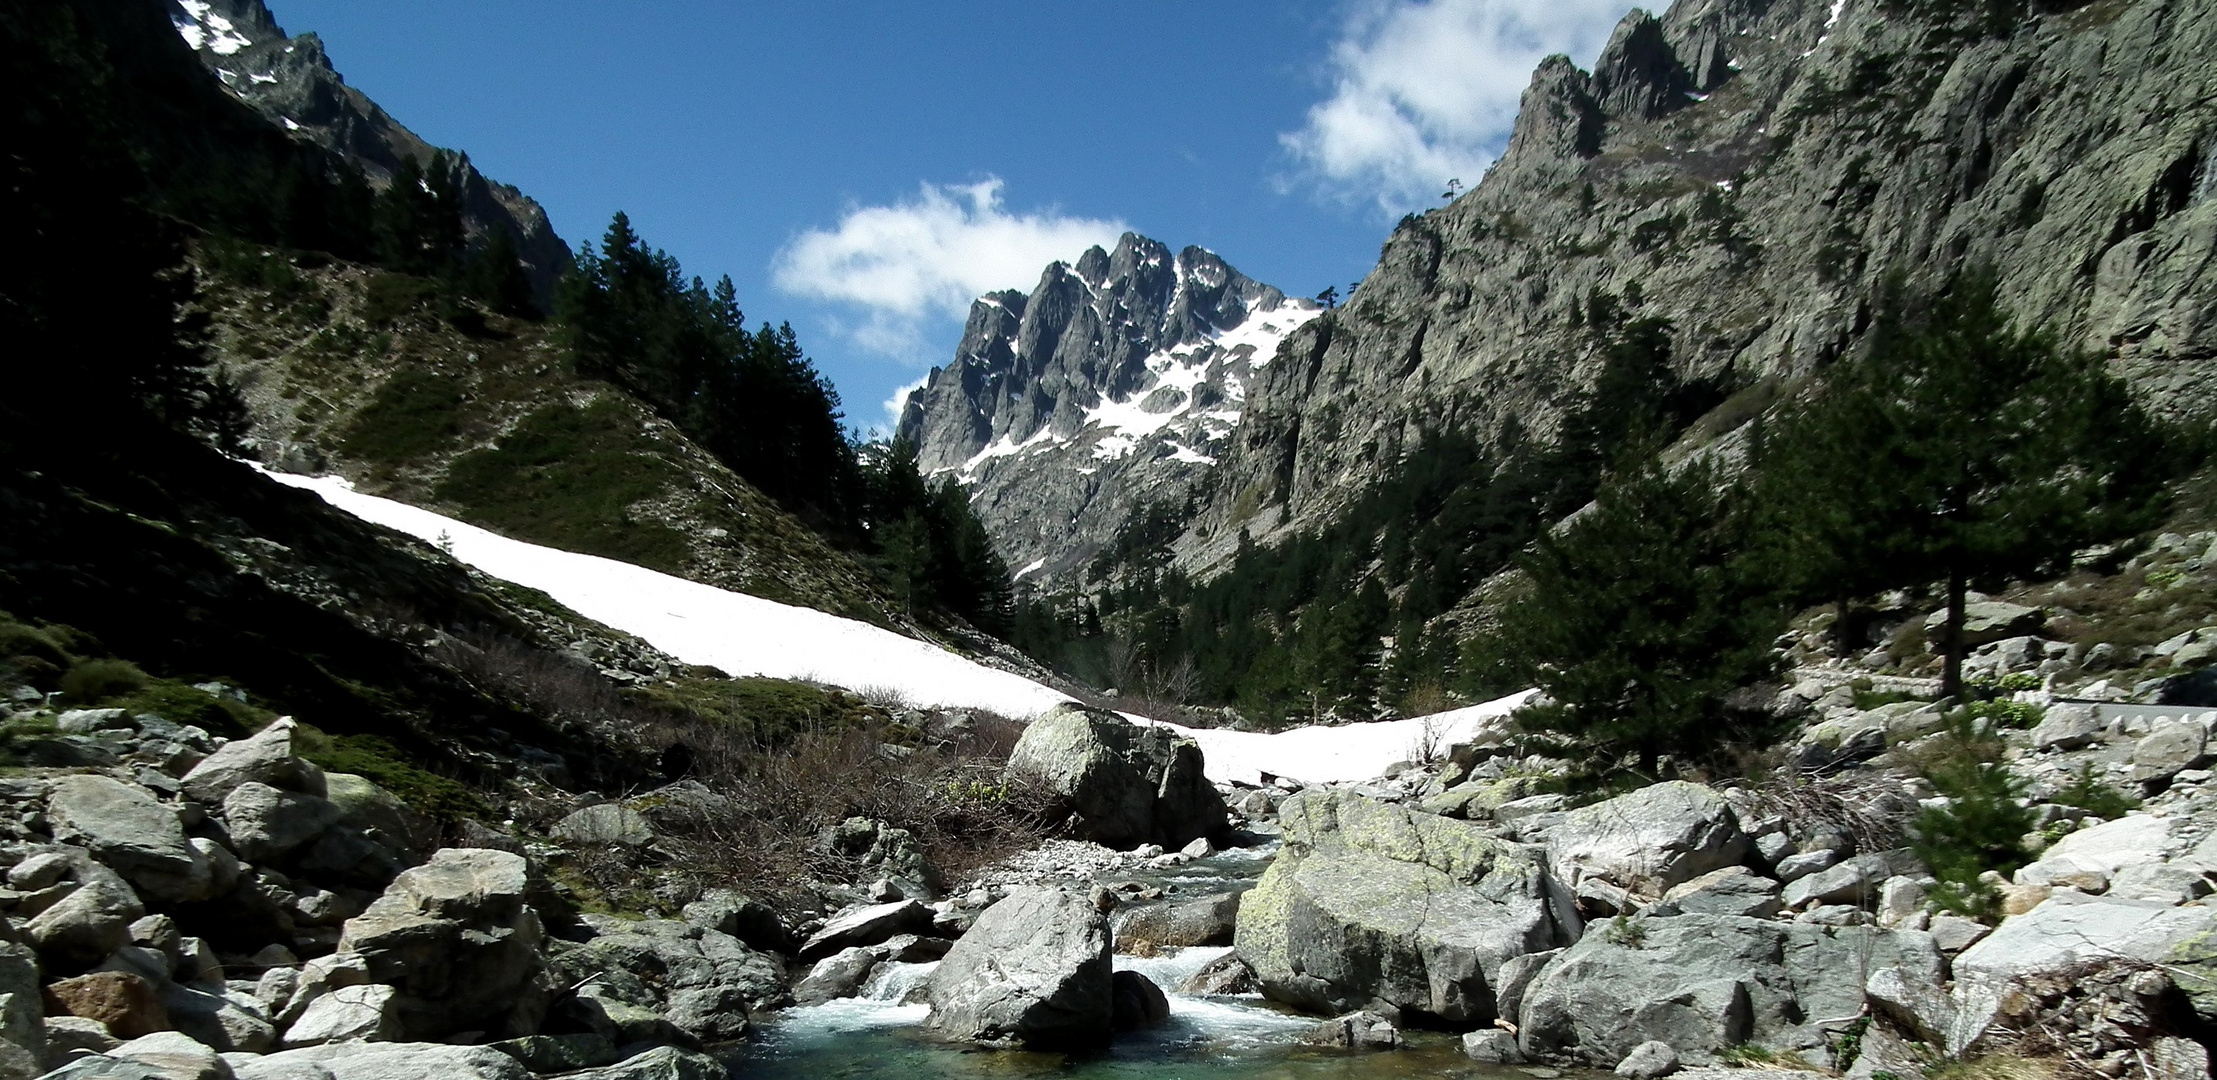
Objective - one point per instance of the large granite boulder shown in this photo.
(1122, 783)
(1375, 904)
(93, 920)
(1207, 920)
(705, 982)
(384, 1061)
(124, 826)
(459, 940)
(1703, 983)
(1033, 973)
(1648, 840)
(22, 1017)
(2068, 934)
(265, 758)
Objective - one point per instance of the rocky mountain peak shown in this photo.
(290, 81)
(1639, 76)
(1110, 384)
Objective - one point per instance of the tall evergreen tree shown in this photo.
(1960, 449)
(1641, 614)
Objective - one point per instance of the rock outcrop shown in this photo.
(1372, 904)
(1123, 784)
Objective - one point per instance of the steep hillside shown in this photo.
(1112, 385)
(1748, 171)
(289, 81)
(359, 371)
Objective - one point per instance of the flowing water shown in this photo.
(876, 1036)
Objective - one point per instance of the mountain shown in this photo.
(290, 81)
(1113, 384)
(1748, 172)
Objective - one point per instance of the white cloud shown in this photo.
(905, 265)
(1425, 92)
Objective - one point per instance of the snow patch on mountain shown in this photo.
(205, 30)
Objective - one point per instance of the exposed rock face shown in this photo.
(1755, 167)
(1371, 903)
(1034, 973)
(1113, 383)
(291, 81)
(1648, 840)
(1124, 784)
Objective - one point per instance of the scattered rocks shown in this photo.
(265, 758)
(1357, 1031)
(867, 926)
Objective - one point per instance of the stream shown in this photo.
(1238, 1037)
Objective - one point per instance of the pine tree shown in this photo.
(1640, 615)
(1960, 450)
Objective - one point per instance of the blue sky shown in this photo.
(862, 169)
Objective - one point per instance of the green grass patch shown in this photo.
(440, 798)
(179, 703)
(568, 477)
(2017, 715)
(2096, 798)
(90, 682)
(772, 710)
(416, 414)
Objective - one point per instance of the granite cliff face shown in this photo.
(290, 82)
(1111, 385)
(1750, 170)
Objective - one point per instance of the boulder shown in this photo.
(69, 1037)
(266, 823)
(1702, 983)
(1649, 840)
(559, 1053)
(173, 1056)
(2104, 849)
(704, 982)
(2172, 747)
(458, 939)
(1734, 890)
(387, 1061)
(1954, 933)
(2067, 726)
(1138, 1003)
(1363, 1030)
(1222, 977)
(23, 1046)
(745, 918)
(347, 1014)
(867, 926)
(1855, 882)
(1033, 973)
(1371, 902)
(125, 827)
(1123, 784)
(128, 1005)
(219, 1016)
(1650, 1060)
(381, 817)
(2069, 931)
(660, 1063)
(1491, 1046)
(605, 823)
(1989, 621)
(1209, 920)
(266, 758)
(93, 920)
(103, 1067)
(836, 976)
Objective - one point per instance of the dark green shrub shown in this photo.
(2095, 797)
(179, 703)
(1984, 825)
(416, 414)
(89, 682)
(769, 710)
(2016, 715)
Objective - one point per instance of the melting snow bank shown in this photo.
(702, 624)
(1348, 752)
(747, 635)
